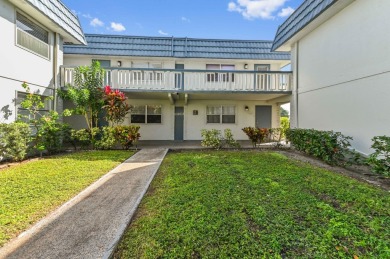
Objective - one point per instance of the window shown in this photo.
(31, 36)
(146, 114)
(221, 114)
(20, 96)
(217, 76)
(103, 63)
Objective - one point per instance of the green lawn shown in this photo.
(31, 190)
(253, 205)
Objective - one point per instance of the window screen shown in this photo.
(31, 36)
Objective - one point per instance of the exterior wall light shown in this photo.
(246, 108)
(246, 66)
(119, 63)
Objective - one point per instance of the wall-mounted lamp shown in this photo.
(246, 66)
(119, 63)
(246, 108)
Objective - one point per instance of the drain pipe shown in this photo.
(55, 70)
(296, 84)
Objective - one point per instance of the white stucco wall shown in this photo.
(343, 73)
(169, 63)
(19, 65)
(193, 124)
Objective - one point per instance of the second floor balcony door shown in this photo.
(262, 81)
(179, 77)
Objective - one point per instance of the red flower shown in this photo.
(107, 89)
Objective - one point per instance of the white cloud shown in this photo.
(163, 33)
(286, 12)
(95, 22)
(117, 26)
(185, 19)
(256, 9)
(86, 15)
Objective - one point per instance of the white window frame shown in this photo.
(32, 37)
(221, 114)
(146, 114)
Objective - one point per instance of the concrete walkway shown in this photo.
(91, 224)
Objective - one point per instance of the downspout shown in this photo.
(55, 70)
(297, 85)
(186, 48)
(172, 47)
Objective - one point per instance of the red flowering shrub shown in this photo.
(256, 135)
(115, 105)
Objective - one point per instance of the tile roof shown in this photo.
(114, 45)
(61, 15)
(303, 15)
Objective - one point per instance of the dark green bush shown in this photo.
(328, 146)
(107, 138)
(51, 134)
(84, 138)
(380, 159)
(14, 140)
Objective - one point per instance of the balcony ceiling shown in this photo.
(206, 96)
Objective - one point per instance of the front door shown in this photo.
(263, 116)
(179, 123)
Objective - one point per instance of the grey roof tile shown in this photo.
(303, 15)
(117, 45)
(61, 15)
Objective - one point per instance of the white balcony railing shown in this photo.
(190, 80)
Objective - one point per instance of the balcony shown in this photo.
(187, 81)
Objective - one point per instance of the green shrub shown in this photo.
(284, 125)
(213, 138)
(84, 138)
(229, 139)
(380, 159)
(127, 135)
(107, 139)
(51, 134)
(328, 146)
(14, 140)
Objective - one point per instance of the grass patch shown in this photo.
(254, 205)
(31, 190)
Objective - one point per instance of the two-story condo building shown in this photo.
(32, 36)
(178, 86)
(341, 65)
